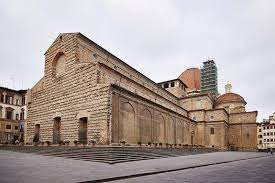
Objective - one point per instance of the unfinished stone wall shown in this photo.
(72, 94)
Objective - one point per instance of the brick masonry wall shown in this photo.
(70, 96)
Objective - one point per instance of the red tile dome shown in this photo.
(228, 98)
(192, 78)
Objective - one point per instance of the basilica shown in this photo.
(88, 94)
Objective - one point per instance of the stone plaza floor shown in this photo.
(259, 170)
(42, 166)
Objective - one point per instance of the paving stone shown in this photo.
(29, 167)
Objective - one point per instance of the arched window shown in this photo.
(59, 64)
(166, 85)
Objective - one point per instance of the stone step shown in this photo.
(109, 152)
(111, 155)
(110, 160)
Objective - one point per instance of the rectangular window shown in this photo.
(8, 127)
(264, 128)
(166, 85)
(17, 116)
(267, 134)
(271, 140)
(8, 136)
(9, 114)
(23, 101)
(264, 140)
(9, 99)
(172, 84)
(267, 140)
(16, 127)
(22, 116)
(271, 133)
(212, 131)
(2, 98)
(259, 136)
(264, 134)
(267, 127)
(260, 130)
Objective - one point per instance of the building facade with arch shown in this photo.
(88, 94)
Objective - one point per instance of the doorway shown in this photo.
(56, 130)
(82, 133)
(37, 131)
(192, 140)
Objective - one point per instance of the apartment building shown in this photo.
(12, 114)
(266, 133)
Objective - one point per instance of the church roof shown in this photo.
(191, 77)
(228, 98)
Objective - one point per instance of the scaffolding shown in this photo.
(209, 78)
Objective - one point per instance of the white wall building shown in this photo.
(266, 133)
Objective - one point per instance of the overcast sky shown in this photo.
(159, 38)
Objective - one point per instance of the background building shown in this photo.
(12, 114)
(209, 78)
(266, 133)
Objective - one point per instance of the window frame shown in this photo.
(212, 131)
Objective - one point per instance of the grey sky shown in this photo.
(159, 38)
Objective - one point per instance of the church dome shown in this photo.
(192, 78)
(229, 98)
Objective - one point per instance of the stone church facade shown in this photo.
(87, 94)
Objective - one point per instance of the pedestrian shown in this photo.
(271, 152)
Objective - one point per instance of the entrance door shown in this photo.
(82, 133)
(37, 130)
(56, 130)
